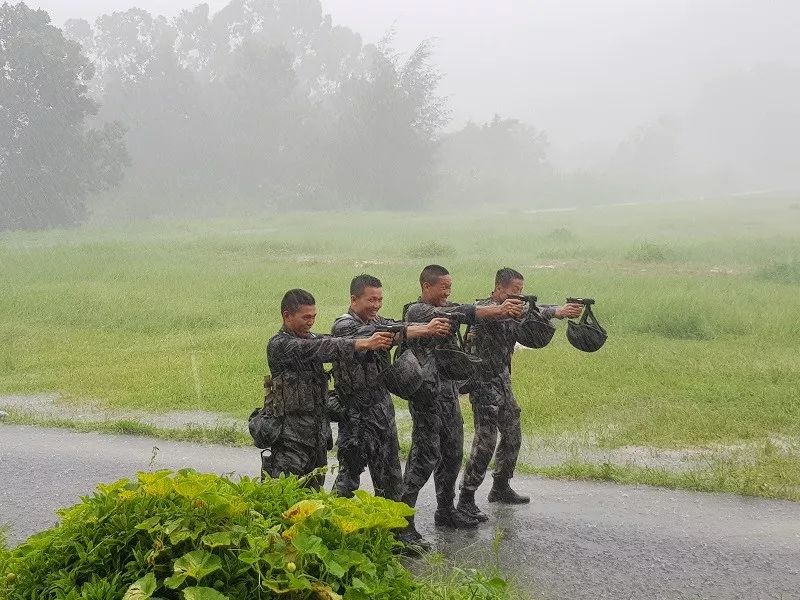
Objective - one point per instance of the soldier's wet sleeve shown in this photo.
(350, 328)
(422, 313)
(292, 350)
(548, 310)
(466, 312)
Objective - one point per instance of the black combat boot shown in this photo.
(502, 492)
(448, 516)
(466, 504)
(412, 539)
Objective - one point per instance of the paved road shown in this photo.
(575, 540)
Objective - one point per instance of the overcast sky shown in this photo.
(587, 71)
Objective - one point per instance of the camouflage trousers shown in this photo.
(369, 439)
(495, 410)
(289, 456)
(437, 443)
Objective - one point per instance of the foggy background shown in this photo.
(540, 103)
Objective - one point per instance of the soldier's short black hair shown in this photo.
(506, 275)
(294, 299)
(363, 281)
(432, 273)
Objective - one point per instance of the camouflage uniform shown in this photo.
(437, 437)
(296, 363)
(494, 406)
(367, 427)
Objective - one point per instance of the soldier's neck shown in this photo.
(363, 317)
(301, 334)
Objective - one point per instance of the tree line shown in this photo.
(263, 106)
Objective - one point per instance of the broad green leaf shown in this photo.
(302, 510)
(172, 525)
(308, 544)
(297, 583)
(196, 564)
(248, 557)
(334, 568)
(203, 593)
(180, 535)
(156, 484)
(347, 558)
(141, 589)
(190, 488)
(149, 524)
(221, 539)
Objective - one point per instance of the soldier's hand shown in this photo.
(439, 327)
(380, 340)
(512, 308)
(569, 311)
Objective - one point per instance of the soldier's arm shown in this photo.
(566, 311)
(289, 350)
(424, 313)
(350, 328)
(548, 311)
(509, 309)
(436, 327)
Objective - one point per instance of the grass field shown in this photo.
(701, 301)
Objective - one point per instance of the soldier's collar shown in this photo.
(356, 317)
(285, 331)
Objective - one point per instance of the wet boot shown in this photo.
(466, 504)
(412, 540)
(448, 516)
(502, 492)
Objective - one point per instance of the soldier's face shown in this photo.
(439, 292)
(300, 322)
(367, 305)
(514, 287)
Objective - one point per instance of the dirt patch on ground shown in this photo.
(51, 406)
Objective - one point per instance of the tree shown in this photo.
(50, 159)
(504, 160)
(382, 141)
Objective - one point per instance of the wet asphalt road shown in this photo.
(575, 540)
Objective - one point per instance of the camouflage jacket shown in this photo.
(422, 312)
(299, 381)
(359, 374)
(494, 340)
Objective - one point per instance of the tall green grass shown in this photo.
(704, 335)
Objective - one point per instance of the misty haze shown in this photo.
(545, 253)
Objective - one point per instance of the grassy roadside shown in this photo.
(702, 311)
(770, 473)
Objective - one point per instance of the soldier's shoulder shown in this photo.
(276, 339)
(343, 324)
(418, 309)
(381, 320)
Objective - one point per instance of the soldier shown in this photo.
(300, 385)
(367, 428)
(437, 437)
(493, 404)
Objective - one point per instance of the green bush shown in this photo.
(199, 536)
(430, 249)
(647, 252)
(678, 325)
(561, 234)
(781, 272)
